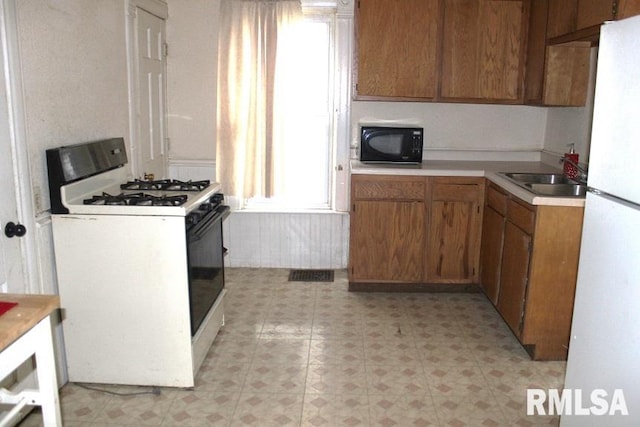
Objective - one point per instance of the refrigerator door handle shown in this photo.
(613, 198)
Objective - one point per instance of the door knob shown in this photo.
(12, 229)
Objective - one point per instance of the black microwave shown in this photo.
(380, 144)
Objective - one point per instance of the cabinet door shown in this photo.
(567, 74)
(594, 12)
(536, 49)
(627, 8)
(513, 276)
(491, 252)
(387, 241)
(483, 46)
(454, 233)
(562, 17)
(396, 48)
(555, 74)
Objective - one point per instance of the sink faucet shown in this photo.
(582, 172)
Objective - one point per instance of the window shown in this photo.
(285, 161)
(304, 97)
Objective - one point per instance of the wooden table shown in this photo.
(25, 330)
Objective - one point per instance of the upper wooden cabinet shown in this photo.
(594, 12)
(571, 20)
(533, 52)
(397, 48)
(443, 50)
(562, 16)
(566, 78)
(555, 74)
(483, 50)
(627, 8)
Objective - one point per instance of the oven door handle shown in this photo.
(203, 226)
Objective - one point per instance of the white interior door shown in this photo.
(151, 58)
(11, 267)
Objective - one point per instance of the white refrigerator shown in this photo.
(604, 350)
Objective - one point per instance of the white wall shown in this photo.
(74, 77)
(192, 78)
(74, 84)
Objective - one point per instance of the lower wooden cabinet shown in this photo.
(410, 230)
(513, 275)
(455, 222)
(529, 265)
(388, 229)
(413, 231)
(387, 241)
(494, 219)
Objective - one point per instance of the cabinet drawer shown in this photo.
(461, 190)
(388, 188)
(497, 200)
(521, 216)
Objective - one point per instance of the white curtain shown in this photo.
(251, 35)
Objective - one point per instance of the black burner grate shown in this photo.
(166, 185)
(311, 276)
(139, 199)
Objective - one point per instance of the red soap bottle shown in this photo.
(570, 170)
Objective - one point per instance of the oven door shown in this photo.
(205, 257)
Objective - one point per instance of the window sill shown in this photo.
(284, 210)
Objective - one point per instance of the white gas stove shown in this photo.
(140, 268)
(115, 193)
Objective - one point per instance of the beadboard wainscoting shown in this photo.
(316, 239)
(287, 240)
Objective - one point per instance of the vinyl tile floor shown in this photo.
(314, 354)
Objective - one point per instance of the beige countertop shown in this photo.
(488, 169)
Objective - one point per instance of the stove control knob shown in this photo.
(192, 218)
(206, 207)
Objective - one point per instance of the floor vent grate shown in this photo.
(311, 276)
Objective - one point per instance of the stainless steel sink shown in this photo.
(540, 178)
(547, 184)
(559, 190)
